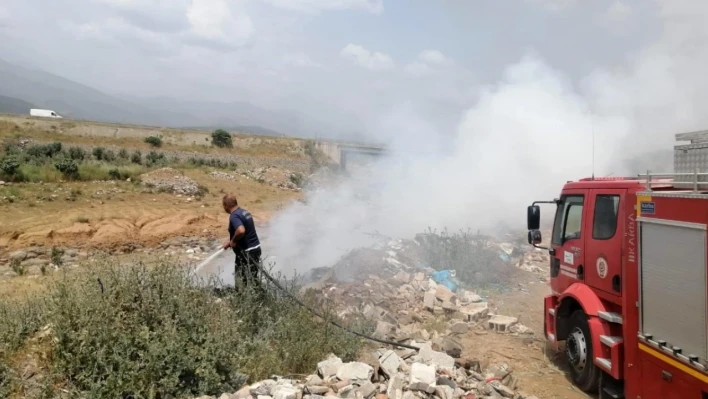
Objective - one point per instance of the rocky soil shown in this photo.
(171, 181)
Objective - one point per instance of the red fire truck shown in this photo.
(628, 279)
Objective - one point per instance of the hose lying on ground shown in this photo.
(309, 309)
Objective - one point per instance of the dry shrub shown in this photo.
(151, 332)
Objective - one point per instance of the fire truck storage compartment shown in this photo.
(673, 284)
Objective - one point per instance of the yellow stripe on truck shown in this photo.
(686, 369)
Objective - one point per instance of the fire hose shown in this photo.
(309, 309)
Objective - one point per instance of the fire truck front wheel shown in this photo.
(579, 353)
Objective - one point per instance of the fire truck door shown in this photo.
(567, 241)
(603, 242)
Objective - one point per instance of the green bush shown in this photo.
(68, 168)
(154, 157)
(151, 332)
(39, 151)
(136, 157)
(109, 156)
(154, 141)
(77, 153)
(114, 174)
(10, 166)
(123, 154)
(98, 153)
(221, 138)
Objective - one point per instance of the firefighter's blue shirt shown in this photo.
(249, 241)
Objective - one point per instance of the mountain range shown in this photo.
(22, 89)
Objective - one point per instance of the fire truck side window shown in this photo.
(569, 216)
(605, 218)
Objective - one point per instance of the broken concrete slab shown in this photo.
(385, 329)
(390, 363)
(501, 323)
(475, 312)
(429, 300)
(330, 367)
(439, 360)
(284, 392)
(355, 371)
(444, 294)
(449, 306)
(422, 373)
(367, 389)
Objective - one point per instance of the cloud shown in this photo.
(301, 60)
(219, 20)
(373, 61)
(435, 57)
(428, 62)
(219, 24)
(314, 6)
(417, 69)
(619, 11)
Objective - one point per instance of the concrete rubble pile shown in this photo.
(401, 302)
(391, 374)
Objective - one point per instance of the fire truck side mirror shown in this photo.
(533, 217)
(535, 237)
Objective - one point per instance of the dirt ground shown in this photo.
(111, 214)
(540, 371)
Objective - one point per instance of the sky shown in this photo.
(342, 64)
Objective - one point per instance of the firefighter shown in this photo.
(244, 241)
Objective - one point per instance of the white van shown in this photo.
(47, 113)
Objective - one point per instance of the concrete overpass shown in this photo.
(339, 151)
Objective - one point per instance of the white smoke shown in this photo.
(526, 135)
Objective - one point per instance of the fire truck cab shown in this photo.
(628, 284)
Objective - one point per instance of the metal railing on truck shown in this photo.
(693, 180)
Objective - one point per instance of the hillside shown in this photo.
(11, 105)
(24, 88)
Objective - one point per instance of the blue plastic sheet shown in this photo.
(445, 277)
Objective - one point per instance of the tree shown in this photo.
(221, 138)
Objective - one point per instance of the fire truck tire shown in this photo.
(579, 353)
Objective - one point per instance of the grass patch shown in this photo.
(104, 171)
(142, 331)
